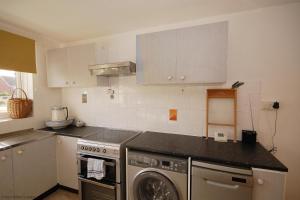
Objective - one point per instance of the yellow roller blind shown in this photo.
(17, 53)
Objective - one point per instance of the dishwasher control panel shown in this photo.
(146, 160)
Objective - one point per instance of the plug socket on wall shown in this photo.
(270, 105)
(276, 105)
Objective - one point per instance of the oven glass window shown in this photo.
(110, 173)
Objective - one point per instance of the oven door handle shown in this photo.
(96, 183)
(105, 162)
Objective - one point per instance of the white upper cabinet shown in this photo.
(80, 57)
(156, 57)
(68, 67)
(202, 53)
(188, 55)
(57, 68)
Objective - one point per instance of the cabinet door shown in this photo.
(6, 175)
(67, 161)
(156, 58)
(57, 68)
(79, 58)
(268, 184)
(202, 53)
(34, 168)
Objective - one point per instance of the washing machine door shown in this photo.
(152, 185)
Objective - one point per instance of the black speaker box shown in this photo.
(249, 137)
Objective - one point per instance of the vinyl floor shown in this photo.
(62, 195)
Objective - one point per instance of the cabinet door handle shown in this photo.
(260, 181)
(182, 77)
(170, 77)
(20, 152)
(3, 158)
(222, 185)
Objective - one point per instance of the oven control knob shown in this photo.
(154, 163)
(94, 148)
(90, 148)
(104, 150)
(98, 149)
(85, 148)
(82, 147)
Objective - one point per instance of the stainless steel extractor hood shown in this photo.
(113, 69)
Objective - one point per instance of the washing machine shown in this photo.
(156, 177)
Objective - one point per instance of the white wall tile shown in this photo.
(141, 107)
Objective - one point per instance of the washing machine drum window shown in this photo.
(154, 186)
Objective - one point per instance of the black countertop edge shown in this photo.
(207, 150)
(18, 138)
(211, 160)
(73, 131)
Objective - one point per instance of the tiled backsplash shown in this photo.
(147, 107)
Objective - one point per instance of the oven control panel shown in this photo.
(98, 149)
(146, 160)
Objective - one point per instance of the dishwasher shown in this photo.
(216, 182)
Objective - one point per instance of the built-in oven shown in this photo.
(108, 188)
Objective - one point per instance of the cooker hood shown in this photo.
(126, 68)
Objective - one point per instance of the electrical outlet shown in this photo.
(268, 105)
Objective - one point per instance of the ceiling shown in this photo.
(71, 20)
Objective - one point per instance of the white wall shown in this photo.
(43, 97)
(263, 51)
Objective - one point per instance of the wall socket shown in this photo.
(268, 105)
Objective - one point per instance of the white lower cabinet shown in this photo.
(6, 175)
(34, 168)
(268, 184)
(67, 161)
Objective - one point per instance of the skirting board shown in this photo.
(53, 189)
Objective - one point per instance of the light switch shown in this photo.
(84, 97)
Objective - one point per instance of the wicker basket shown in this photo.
(19, 107)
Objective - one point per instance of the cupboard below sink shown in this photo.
(28, 170)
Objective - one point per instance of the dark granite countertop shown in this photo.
(14, 139)
(201, 149)
(73, 131)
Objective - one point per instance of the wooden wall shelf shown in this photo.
(222, 93)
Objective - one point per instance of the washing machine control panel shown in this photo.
(146, 160)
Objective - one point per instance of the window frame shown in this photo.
(24, 81)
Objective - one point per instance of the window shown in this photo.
(9, 80)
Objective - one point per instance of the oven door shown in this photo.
(90, 188)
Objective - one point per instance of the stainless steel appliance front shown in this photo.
(214, 182)
(108, 145)
(153, 176)
(107, 188)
